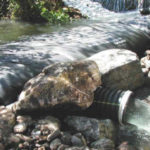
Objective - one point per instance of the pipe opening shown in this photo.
(111, 103)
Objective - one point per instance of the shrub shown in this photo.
(39, 10)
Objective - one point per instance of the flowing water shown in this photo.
(137, 113)
(137, 132)
(35, 46)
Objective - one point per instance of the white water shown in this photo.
(138, 114)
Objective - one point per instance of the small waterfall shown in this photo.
(124, 5)
(113, 5)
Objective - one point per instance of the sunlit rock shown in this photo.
(119, 68)
(61, 84)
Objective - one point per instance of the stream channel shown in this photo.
(26, 48)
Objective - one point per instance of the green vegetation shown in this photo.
(52, 11)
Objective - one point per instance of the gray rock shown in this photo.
(120, 69)
(55, 144)
(92, 129)
(62, 147)
(104, 144)
(53, 135)
(77, 148)
(66, 138)
(78, 140)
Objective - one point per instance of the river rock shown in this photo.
(92, 129)
(20, 128)
(104, 144)
(66, 138)
(7, 121)
(78, 140)
(78, 148)
(59, 85)
(119, 69)
(49, 124)
(55, 143)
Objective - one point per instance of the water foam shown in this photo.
(138, 114)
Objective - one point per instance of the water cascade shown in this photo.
(94, 9)
(124, 5)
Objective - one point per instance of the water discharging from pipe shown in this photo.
(121, 106)
(138, 114)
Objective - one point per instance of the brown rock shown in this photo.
(61, 83)
(7, 121)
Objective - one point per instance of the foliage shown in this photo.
(39, 10)
(3, 7)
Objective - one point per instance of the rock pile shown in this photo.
(46, 133)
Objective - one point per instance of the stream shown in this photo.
(26, 48)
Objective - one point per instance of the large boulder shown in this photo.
(60, 85)
(119, 68)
